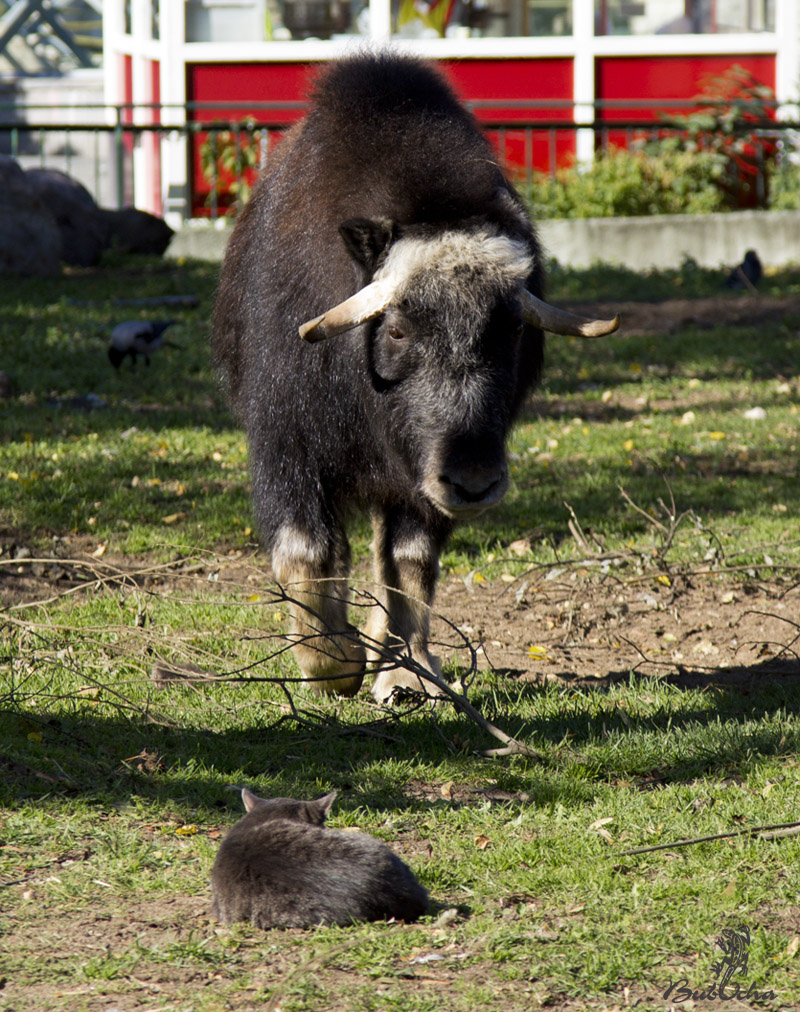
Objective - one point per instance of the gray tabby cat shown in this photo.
(280, 868)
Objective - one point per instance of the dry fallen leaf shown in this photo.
(173, 518)
(482, 842)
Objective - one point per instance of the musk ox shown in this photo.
(378, 322)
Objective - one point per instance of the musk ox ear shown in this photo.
(367, 241)
(559, 321)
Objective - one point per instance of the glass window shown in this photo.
(694, 17)
(480, 18)
(318, 19)
(259, 20)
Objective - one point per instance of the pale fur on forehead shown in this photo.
(500, 262)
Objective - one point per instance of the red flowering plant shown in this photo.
(734, 121)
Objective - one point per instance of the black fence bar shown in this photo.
(508, 121)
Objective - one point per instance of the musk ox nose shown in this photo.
(471, 487)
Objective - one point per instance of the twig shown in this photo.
(648, 517)
(576, 531)
(761, 832)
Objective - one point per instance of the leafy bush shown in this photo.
(728, 125)
(784, 186)
(623, 182)
(721, 156)
(230, 161)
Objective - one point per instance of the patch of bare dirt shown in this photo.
(566, 623)
(573, 629)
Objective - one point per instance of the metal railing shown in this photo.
(97, 147)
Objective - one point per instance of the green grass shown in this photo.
(113, 790)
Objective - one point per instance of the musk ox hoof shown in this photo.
(334, 668)
(346, 686)
(393, 687)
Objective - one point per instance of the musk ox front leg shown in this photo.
(406, 569)
(313, 571)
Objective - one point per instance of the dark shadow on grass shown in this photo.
(744, 694)
(108, 761)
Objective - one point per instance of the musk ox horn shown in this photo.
(365, 305)
(558, 321)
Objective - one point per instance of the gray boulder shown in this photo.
(30, 241)
(134, 231)
(84, 233)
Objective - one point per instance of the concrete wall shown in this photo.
(658, 241)
(665, 240)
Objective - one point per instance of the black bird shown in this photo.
(747, 274)
(138, 337)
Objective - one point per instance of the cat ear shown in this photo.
(250, 800)
(324, 804)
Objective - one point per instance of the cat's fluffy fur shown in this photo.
(280, 868)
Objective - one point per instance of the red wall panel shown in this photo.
(243, 83)
(525, 81)
(668, 77)
(517, 80)
(154, 140)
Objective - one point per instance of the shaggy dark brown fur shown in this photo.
(405, 416)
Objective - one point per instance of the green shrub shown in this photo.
(727, 126)
(623, 182)
(784, 187)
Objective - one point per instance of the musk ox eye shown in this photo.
(395, 333)
(519, 330)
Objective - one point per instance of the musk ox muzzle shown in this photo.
(469, 491)
(467, 476)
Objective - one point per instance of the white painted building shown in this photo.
(554, 60)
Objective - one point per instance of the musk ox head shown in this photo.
(451, 312)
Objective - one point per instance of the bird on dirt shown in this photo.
(138, 337)
(747, 274)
